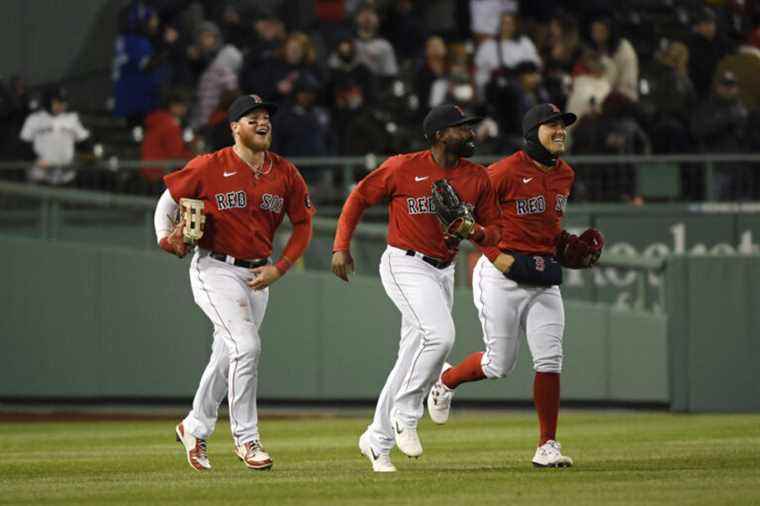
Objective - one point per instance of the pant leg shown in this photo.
(544, 327)
(500, 303)
(416, 288)
(381, 430)
(221, 291)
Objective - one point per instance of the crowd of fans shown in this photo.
(356, 77)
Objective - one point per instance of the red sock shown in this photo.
(468, 370)
(546, 398)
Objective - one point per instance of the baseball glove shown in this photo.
(576, 252)
(455, 215)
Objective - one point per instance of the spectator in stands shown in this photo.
(485, 16)
(275, 78)
(269, 36)
(371, 49)
(719, 125)
(510, 101)
(344, 65)
(220, 76)
(560, 52)
(53, 132)
(433, 67)
(496, 58)
(136, 78)
(208, 42)
(667, 99)
(405, 29)
(360, 127)
(745, 64)
(216, 134)
(621, 64)
(706, 47)
(163, 138)
(590, 87)
(301, 129)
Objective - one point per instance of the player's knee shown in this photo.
(500, 367)
(446, 336)
(548, 363)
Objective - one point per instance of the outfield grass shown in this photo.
(479, 458)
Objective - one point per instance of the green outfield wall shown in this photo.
(84, 321)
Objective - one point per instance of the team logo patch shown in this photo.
(272, 203)
(533, 205)
(554, 108)
(231, 200)
(256, 98)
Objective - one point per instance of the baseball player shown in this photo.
(416, 268)
(516, 285)
(246, 190)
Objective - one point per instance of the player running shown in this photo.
(532, 187)
(246, 191)
(416, 269)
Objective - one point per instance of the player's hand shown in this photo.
(342, 264)
(264, 276)
(174, 243)
(503, 262)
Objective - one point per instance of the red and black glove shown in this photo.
(581, 252)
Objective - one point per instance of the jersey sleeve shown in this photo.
(80, 132)
(299, 206)
(377, 185)
(30, 125)
(186, 183)
(488, 213)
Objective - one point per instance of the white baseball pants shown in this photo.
(424, 295)
(236, 312)
(508, 310)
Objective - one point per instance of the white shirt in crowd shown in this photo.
(485, 15)
(512, 52)
(53, 139)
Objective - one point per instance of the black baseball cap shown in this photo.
(247, 103)
(445, 116)
(544, 113)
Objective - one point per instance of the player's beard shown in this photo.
(256, 142)
(463, 148)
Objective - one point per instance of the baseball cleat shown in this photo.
(254, 456)
(549, 454)
(439, 399)
(407, 439)
(381, 462)
(197, 455)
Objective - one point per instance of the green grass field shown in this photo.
(479, 458)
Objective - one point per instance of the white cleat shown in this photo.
(381, 462)
(439, 399)
(197, 455)
(254, 456)
(407, 439)
(550, 455)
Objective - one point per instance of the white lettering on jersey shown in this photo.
(271, 203)
(533, 205)
(420, 205)
(231, 200)
(561, 204)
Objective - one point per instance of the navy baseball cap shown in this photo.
(247, 103)
(445, 116)
(544, 113)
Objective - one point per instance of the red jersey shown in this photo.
(532, 203)
(406, 181)
(242, 210)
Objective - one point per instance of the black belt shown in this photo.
(435, 262)
(248, 264)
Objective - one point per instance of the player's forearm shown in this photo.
(296, 246)
(348, 220)
(486, 236)
(490, 252)
(162, 218)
